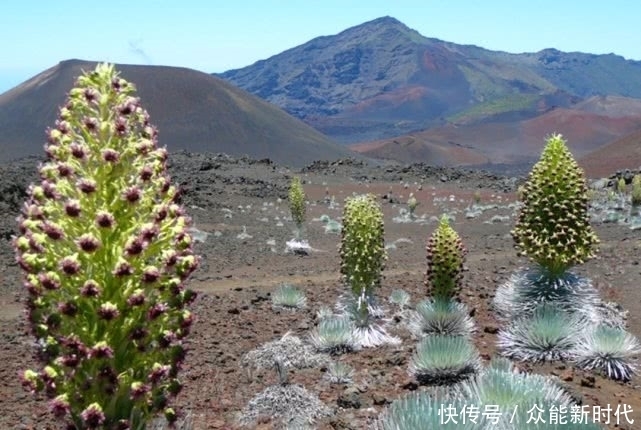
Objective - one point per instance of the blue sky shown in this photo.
(214, 36)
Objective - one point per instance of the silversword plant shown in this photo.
(106, 253)
(412, 204)
(288, 297)
(553, 227)
(445, 257)
(362, 250)
(636, 191)
(363, 255)
(297, 204)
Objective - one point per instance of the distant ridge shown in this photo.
(382, 80)
(193, 111)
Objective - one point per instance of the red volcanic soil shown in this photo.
(624, 153)
(414, 147)
(584, 131)
(236, 277)
(391, 99)
(507, 142)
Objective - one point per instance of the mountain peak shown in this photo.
(384, 20)
(385, 25)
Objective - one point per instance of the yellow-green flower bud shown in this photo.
(553, 226)
(362, 248)
(297, 202)
(445, 257)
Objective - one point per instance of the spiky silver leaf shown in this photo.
(349, 305)
(422, 410)
(339, 373)
(548, 335)
(610, 350)
(444, 359)
(373, 335)
(502, 384)
(401, 298)
(530, 287)
(334, 335)
(288, 297)
(324, 312)
(441, 316)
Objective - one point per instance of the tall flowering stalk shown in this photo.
(553, 227)
(297, 205)
(362, 250)
(105, 251)
(445, 258)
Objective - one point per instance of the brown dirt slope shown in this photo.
(193, 111)
(505, 142)
(623, 153)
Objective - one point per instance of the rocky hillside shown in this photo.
(587, 127)
(383, 79)
(193, 111)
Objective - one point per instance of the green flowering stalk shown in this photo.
(362, 248)
(445, 258)
(106, 253)
(553, 227)
(636, 191)
(297, 204)
(362, 252)
(412, 204)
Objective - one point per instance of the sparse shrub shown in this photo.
(553, 227)
(334, 335)
(401, 298)
(290, 404)
(444, 359)
(106, 253)
(548, 335)
(611, 350)
(339, 373)
(297, 204)
(621, 186)
(288, 297)
(441, 316)
(289, 350)
(324, 218)
(445, 257)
